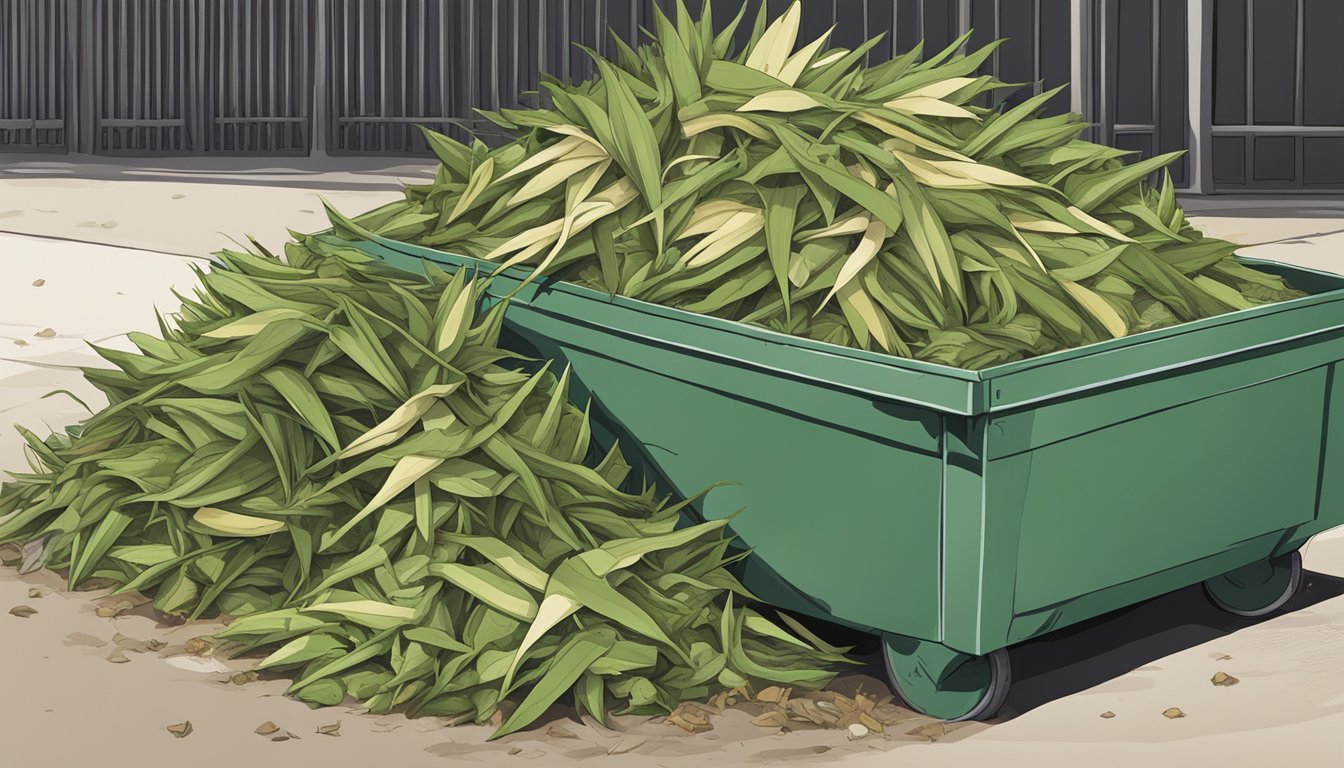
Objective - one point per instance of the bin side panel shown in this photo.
(1175, 486)
(1330, 512)
(843, 523)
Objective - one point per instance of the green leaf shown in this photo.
(490, 586)
(294, 387)
(303, 649)
(1089, 191)
(570, 662)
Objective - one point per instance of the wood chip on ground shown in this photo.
(691, 718)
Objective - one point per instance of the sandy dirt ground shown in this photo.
(68, 698)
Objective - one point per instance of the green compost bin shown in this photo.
(958, 512)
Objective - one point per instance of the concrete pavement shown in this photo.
(64, 704)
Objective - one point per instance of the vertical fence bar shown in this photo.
(1104, 73)
(1156, 88)
(1200, 31)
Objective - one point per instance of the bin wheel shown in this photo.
(1258, 589)
(939, 682)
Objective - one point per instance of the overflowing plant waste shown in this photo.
(881, 207)
(341, 456)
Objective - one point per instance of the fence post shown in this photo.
(1199, 66)
(320, 117)
(79, 76)
(1080, 59)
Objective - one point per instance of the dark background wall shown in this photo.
(1278, 100)
(266, 77)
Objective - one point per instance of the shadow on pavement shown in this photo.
(1090, 653)
(1087, 654)
(327, 172)
(1251, 207)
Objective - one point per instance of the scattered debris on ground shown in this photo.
(1223, 679)
(181, 730)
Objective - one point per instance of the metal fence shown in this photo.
(261, 72)
(268, 77)
(1278, 108)
(357, 76)
(33, 75)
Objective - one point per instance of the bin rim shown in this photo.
(542, 287)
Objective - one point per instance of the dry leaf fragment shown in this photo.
(560, 732)
(281, 737)
(243, 678)
(1173, 713)
(266, 729)
(515, 750)
(45, 333)
(857, 731)
(20, 342)
(803, 709)
(178, 196)
(1223, 679)
(22, 611)
(772, 695)
(10, 553)
(117, 657)
(39, 282)
(1224, 657)
(830, 708)
(690, 718)
(289, 735)
(1107, 715)
(330, 730)
(775, 719)
(113, 609)
(137, 646)
(181, 730)
(871, 723)
(198, 646)
(34, 593)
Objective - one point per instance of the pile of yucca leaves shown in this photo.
(798, 189)
(342, 457)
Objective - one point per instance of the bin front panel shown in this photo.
(838, 496)
(1171, 487)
